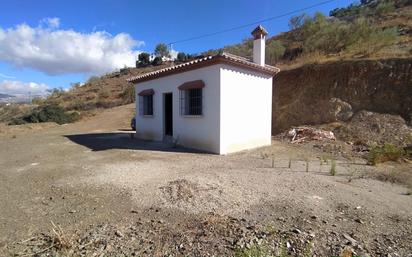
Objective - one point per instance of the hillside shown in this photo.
(4, 96)
(372, 30)
(335, 91)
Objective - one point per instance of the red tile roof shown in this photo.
(225, 58)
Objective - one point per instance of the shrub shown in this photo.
(104, 93)
(387, 152)
(47, 113)
(297, 21)
(385, 7)
(253, 251)
(37, 101)
(162, 50)
(333, 36)
(321, 34)
(144, 60)
(77, 104)
(128, 94)
(157, 61)
(244, 49)
(274, 51)
(93, 80)
(181, 57)
(366, 38)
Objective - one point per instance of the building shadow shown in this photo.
(124, 140)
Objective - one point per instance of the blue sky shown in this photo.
(54, 43)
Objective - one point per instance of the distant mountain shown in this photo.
(2, 96)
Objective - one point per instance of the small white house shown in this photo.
(219, 104)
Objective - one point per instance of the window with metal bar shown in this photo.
(191, 102)
(146, 105)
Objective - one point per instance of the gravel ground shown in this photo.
(106, 194)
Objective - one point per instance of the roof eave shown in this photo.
(271, 71)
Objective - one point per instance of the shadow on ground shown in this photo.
(122, 140)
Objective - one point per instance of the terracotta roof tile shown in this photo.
(205, 61)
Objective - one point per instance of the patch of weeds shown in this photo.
(387, 152)
(308, 250)
(253, 251)
(324, 159)
(290, 163)
(307, 164)
(333, 168)
(47, 113)
(269, 228)
(283, 250)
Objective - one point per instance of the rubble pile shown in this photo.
(302, 134)
(370, 128)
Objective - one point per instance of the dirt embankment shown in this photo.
(322, 93)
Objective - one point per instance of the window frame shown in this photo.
(191, 98)
(146, 103)
(191, 102)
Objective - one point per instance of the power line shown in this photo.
(252, 23)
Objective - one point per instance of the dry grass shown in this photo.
(399, 174)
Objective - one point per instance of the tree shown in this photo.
(297, 21)
(143, 60)
(181, 57)
(162, 50)
(157, 61)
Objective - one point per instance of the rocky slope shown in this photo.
(323, 93)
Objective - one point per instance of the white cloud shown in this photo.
(56, 51)
(19, 88)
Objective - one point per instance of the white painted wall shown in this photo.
(259, 47)
(237, 110)
(199, 132)
(246, 109)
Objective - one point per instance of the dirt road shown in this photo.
(147, 199)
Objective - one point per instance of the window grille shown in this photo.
(146, 105)
(191, 101)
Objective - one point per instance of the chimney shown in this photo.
(259, 37)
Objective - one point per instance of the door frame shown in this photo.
(164, 113)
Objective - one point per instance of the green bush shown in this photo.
(162, 50)
(47, 113)
(93, 80)
(143, 60)
(274, 51)
(387, 152)
(320, 34)
(244, 49)
(128, 95)
(181, 57)
(323, 35)
(157, 61)
(366, 38)
(385, 7)
(253, 251)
